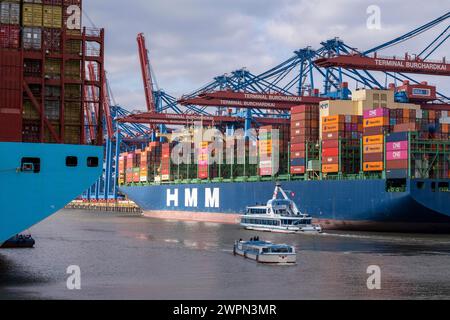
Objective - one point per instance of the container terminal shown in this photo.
(373, 156)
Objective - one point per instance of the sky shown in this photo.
(193, 41)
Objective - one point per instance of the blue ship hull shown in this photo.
(27, 198)
(343, 204)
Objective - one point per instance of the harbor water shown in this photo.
(130, 257)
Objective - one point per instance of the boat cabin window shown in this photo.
(278, 250)
(31, 165)
(71, 161)
(92, 162)
(256, 211)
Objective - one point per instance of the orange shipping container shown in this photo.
(333, 127)
(373, 166)
(330, 168)
(368, 140)
(374, 148)
(376, 122)
(333, 119)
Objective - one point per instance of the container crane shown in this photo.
(146, 73)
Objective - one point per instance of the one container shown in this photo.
(10, 12)
(32, 15)
(9, 36)
(373, 166)
(32, 38)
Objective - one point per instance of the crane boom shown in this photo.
(146, 73)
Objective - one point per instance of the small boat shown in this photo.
(279, 215)
(265, 252)
(19, 242)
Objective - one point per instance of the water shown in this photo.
(139, 258)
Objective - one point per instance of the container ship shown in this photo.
(46, 158)
(368, 163)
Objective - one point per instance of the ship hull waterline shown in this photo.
(360, 205)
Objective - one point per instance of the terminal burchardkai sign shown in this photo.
(393, 64)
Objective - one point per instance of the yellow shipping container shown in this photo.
(376, 122)
(52, 17)
(336, 119)
(32, 15)
(368, 140)
(374, 148)
(373, 166)
(330, 168)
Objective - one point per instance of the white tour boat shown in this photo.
(266, 252)
(279, 215)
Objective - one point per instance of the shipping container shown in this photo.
(10, 12)
(32, 38)
(32, 15)
(9, 36)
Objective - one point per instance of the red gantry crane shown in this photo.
(146, 73)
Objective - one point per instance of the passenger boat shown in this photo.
(265, 252)
(279, 215)
(19, 241)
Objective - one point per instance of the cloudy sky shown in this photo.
(192, 41)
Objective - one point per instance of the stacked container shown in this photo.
(121, 169)
(341, 136)
(154, 159)
(397, 155)
(165, 162)
(129, 167)
(304, 135)
(143, 166)
(9, 24)
(203, 161)
(40, 29)
(376, 125)
(137, 166)
(266, 151)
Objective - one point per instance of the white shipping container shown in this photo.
(444, 120)
(419, 114)
(10, 13)
(32, 38)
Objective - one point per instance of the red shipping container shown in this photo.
(52, 39)
(9, 36)
(334, 152)
(375, 131)
(11, 69)
(397, 164)
(298, 147)
(265, 171)
(332, 136)
(330, 160)
(328, 144)
(373, 157)
(298, 154)
(298, 170)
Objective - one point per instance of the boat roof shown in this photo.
(266, 244)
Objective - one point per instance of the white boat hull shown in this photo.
(284, 230)
(273, 258)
